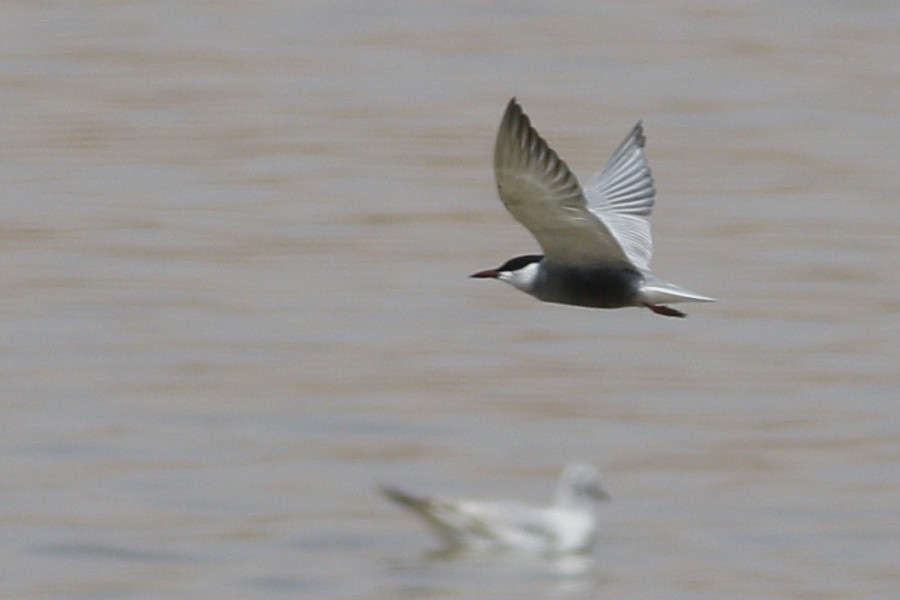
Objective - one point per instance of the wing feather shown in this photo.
(622, 194)
(540, 191)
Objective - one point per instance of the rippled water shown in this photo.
(235, 244)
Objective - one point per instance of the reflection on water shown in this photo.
(470, 573)
(236, 246)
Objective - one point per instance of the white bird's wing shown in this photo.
(508, 524)
(541, 192)
(621, 194)
(452, 525)
(470, 523)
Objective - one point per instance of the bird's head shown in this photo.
(520, 272)
(578, 484)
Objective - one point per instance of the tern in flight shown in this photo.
(596, 240)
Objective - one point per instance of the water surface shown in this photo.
(235, 245)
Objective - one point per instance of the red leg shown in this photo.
(662, 309)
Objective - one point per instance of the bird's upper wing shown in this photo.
(508, 524)
(468, 522)
(543, 195)
(531, 528)
(621, 194)
(453, 525)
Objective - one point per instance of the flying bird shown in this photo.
(596, 240)
(568, 526)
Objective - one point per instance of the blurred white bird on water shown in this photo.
(569, 525)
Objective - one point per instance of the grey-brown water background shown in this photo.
(234, 247)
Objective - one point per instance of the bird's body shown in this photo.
(596, 241)
(600, 286)
(567, 526)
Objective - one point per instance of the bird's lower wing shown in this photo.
(622, 195)
(632, 233)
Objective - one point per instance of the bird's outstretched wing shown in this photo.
(621, 194)
(541, 192)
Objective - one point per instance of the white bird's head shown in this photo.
(520, 272)
(579, 484)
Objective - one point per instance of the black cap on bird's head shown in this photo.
(513, 264)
